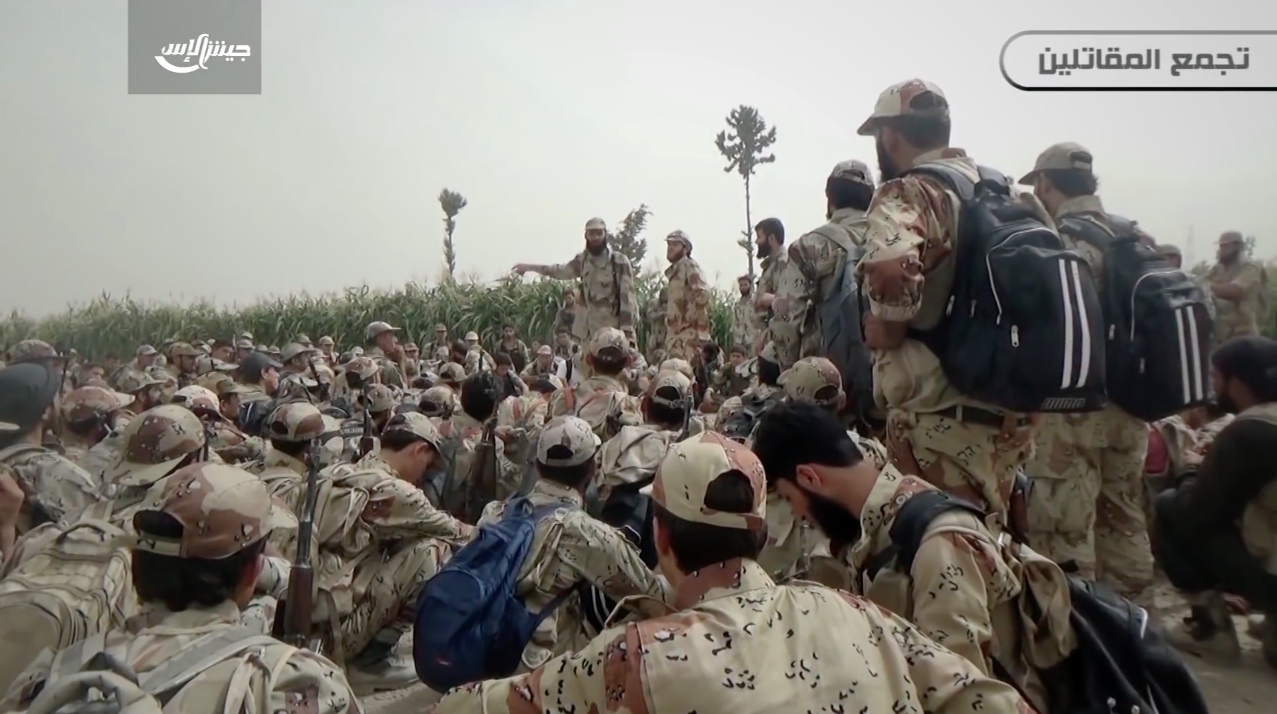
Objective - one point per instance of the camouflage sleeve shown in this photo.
(473, 360)
(396, 509)
(908, 235)
(600, 554)
(1250, 279)
(950, 601)
(509, 474)
(794, 289)
(698, 297)
(605, 675)
(57, 486)
(309, 683)
(629, 303)
(570, 270)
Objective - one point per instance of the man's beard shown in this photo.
(886, 166)
(837, 523)
(596, 248)
(764, 250)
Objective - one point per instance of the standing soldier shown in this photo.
(814, 259)
(769, 237)
(440, 348)
(606, 289)
(1239, 287)
(382, 342)
(744, 327)
(687, 313)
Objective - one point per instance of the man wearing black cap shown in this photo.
(1217, 533)
(260, 374)
(55, 488)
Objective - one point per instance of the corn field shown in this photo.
(116, 326)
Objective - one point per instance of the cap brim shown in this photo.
(125, 473)
(867, 129)
(1027, 179)
(7, 428)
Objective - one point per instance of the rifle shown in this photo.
(324, 387)
(299, 604)
(687, 418)
(208, 437)
(366, 441)
(481, 483)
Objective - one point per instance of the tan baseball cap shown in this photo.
(609, 338)
(89, 402)
(418, 425)
(297, 421)
(680, 237)
(912, 97)
(670, 388)
(804, 381)
(436, 401)
(153, 443)
(1064, 156)
(376, 328)
(1166, 249)
(679, 365)
(545, 350)
(363, 367)
(201, 400)
(452, 373)
(146, 350)
(849, 170)
(183, 349)
(472, 336)
(567, 441)
(293, 350)
(222, 509)
(689, 468)
(596, 224)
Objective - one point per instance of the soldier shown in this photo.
(606, 283)
(964, 446)
(225, 442)
(34, 351)
(223, 351)
(297, 370)
(228, 392)
(603, 400)
(88, 417)
(744, 327)
(260, 374)
(813, 264)
(1239, 287)
(769, 239)
(439, 402)
(144, 358)
(440, 347)
(476, 358)
(1087, 504)
(811, 648)
(54, 488)
(382, 345)
(630, 458)
(511, 385)
(462, 432)
(546, 363)
(571, 547)
(155, 444)
(515, 347)
(961, 590)
(379, 401)
(201, 540)
(687, 312)
(291, 428)
(328, 350)
(1171, 254)
(412, 361)
(379, 539)
(243, 348)
(182, 363)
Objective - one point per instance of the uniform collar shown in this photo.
(948, 152)
(159, 620)
(726, 579)
(558, 492)
(278, 459)
(889, 493)
(843, 216)
(1080, 204)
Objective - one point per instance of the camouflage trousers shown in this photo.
(969, 460)
(1088, 503)
(682, 345)
(385, 595)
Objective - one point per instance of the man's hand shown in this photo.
(521, 268)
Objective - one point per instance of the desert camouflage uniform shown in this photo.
(461, 435)
(809, 277)
(744, 324)
(597, 293)
(379, 540)
(222, 498)
(734, 641)
(771, 268)
(569, 548)
(601, 400)
(908, 273)
(687, 312)
(1234, 319)
(477, 360)
(390, 372)
(526, 415)
(654, 316)
(518, 351)
(55, 489)
(84, 404)
(1087, 504)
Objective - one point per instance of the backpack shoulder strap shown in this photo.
(911, 526)
(202, 655)
(838, 235)
(950, 176)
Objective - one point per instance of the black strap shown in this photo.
(910, 528)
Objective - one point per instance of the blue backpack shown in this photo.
(471, 624)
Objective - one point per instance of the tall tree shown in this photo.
(1249, 244)
(744, 144)
(628, 238)
(451, 202)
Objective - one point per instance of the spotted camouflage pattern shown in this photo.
(87, 403)
(222, 509)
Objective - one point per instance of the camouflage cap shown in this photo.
(567, 441)
(377, 328)
(132, 381)
(183, 349)
(452, 373)
(441, 328)
(303, 339)
(146, 351)
(379, 398)
(223, 385)
(609, 338)
(205, 364)
(472, 336)
(273, 351)
(7, 428)
(326, 341)
(363, 367)
(688, 469)
(296, 421)
(324, 371)
(88, 403)
(167, 342)
(912, 97)
(418, 425)
(670, 388)
(153, 443)
(411, 347)
(1063, 156)
(201, 400)
(245, 345)
(596, 224)
(32, 351)
(849, 170)
(222, 509)
(680, 237)
(804, 381)
(436, 401)
(292, 350)
(1230, 237)
(246, 335)
(679, 365)
(545, 350)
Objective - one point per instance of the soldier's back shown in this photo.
(56, 489)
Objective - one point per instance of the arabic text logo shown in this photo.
(1141, 61)
(194, 54)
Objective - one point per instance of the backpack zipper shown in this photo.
(1135, 288)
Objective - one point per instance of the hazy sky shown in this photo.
(544, 113)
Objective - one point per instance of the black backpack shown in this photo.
(841, 330)
(740, 424)
(1022, 327)
(1120, 664)
(1158, 327)
(631, 513)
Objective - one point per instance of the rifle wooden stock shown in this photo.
(481, 485)
(299, 606)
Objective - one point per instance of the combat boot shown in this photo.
(379, 668)
(1208, 631)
